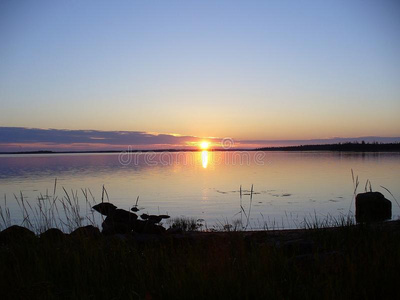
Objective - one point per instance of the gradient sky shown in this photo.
(255, 70)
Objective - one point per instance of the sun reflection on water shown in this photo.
(204, 158)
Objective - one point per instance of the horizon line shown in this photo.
(305, 147)
(24, 139)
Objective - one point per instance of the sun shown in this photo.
(204, 145)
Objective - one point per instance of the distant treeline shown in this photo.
(351, 146)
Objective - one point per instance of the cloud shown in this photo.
(33, 139)
(17, 138)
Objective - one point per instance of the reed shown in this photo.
(185, 224)
(51, 211)
(328, 258)
(349, 262)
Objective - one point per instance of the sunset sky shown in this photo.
(255, 71)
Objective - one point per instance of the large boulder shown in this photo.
(372, 207)
(106, 209)
(115, 214)
(112, 226)
(52, 235)
(116, 226)
(148, 227)
(16, 233)
(154, 218)
(120, 221)
(88, 231)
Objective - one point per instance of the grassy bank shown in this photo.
(358, 262)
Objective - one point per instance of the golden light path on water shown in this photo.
(204, 158)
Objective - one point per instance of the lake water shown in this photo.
(287, 186)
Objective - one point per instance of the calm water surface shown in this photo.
(288, 186)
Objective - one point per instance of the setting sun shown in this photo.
(204, 145)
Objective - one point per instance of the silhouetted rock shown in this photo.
(148, 227)
(139, 226)
(105, 208)
(144, 216)
(86, 232)
(151, 218)
(118, 215)
(112, 226)
(154, 218)
(164, 216)
(120, 221)
(16, 233)
(174, 230)
(121, 215)
(53, 235)
(372, 207)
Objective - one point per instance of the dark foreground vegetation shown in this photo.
(348, 262)
(355, 146)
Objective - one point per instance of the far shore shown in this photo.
(340, 147)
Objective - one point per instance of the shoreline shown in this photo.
(345, 147)
(90, 231)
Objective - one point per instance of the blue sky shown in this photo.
(245, 69)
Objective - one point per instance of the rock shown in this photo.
(112, 212)
(144, 216)
(372, 207)
(154, 218)
(121, 221)
(112, 226)
(105, 208)
(53, 235)
(118, 221)
(174, 230)
(16, 233)
(86, 232)
(154, 229)
(121, 215)
(148, 227)
(138, 226)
